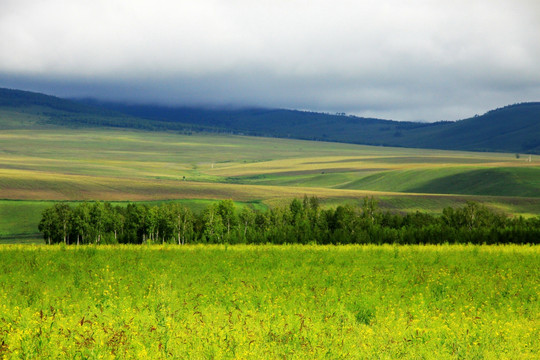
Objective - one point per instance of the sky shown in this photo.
(420, 60)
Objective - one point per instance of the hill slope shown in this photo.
(24, 109)
(514, 128)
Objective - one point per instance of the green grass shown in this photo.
(270, 302)
(508, 181)
(496, 181)
(20, 217)
(22, 240)
(321, 178)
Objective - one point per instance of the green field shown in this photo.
(40, 166)
(271, 302)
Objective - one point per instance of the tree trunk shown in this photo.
(183, 232)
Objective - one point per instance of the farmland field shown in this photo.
(40, 166)
(253, 302)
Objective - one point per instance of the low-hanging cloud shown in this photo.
(407, 60)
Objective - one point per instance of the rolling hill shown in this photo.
(514, 128)
(54, 149)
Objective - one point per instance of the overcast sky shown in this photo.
(398, 59)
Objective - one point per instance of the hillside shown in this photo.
(514, 128)
(24, 109)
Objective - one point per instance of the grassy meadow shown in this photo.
(40, 166)
(254, 302)
(271, 302)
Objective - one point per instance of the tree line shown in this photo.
(301, 221)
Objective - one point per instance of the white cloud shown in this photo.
(401, 59)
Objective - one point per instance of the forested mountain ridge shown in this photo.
(514, 128)
(24, 109)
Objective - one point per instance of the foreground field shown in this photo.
(294, 302)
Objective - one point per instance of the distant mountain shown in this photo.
(24, 109)
(514, 128)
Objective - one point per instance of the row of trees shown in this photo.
(299, 222)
